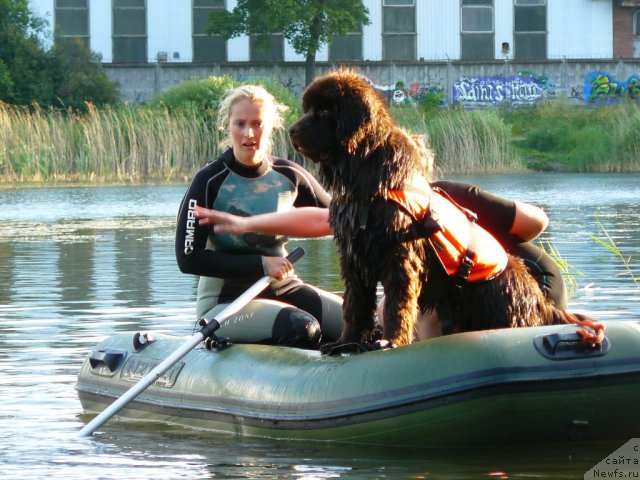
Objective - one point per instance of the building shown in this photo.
(148, 45)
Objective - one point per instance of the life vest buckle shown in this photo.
(464, 270)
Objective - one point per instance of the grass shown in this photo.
(559, 136)
(607, 242)
(569, 272)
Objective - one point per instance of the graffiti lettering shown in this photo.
(515, 89)
(602, 87)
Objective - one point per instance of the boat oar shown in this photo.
(189, 345)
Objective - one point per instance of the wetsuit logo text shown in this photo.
(191, 224)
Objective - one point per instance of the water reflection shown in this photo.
(68, 280)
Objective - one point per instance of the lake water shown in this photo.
(80, 264)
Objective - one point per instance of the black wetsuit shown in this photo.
(229, 264)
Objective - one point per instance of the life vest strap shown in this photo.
(465, 251)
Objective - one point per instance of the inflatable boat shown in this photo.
(527, 386)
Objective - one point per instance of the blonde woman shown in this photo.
(247, 180)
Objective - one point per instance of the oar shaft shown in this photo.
(176, 356)
(141, 386)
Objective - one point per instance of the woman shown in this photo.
(514, 224)
(246, 180)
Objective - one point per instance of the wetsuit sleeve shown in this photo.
(191, 240)
(495, 214)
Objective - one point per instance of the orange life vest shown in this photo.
(464, 249)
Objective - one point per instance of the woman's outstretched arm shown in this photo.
(307, 222)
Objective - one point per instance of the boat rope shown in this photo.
(592, 334)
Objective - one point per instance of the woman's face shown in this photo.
(250, 131)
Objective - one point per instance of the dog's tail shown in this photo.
(591, 331)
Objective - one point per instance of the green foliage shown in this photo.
(203, 96)
(561, 136)
(23, 55)
(307, 24)
(6, 83)
(431, 101)
(66, 76)
(197, 94)
(78, 77)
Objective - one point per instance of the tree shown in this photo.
(307, 24)
(21, 52)
(67, 75)
(78, 77)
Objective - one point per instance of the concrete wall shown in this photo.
(556, 78)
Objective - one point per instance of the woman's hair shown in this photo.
(255, 94)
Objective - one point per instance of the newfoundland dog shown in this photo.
(366, 162)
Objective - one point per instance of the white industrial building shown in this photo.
(142, 31)
(149, 45)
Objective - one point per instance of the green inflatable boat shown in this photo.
(528, 385)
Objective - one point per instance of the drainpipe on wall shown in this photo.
(449, 79)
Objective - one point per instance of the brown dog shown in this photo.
(363, 155)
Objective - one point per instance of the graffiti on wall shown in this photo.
(398, 95)
(524, 88)
(602, 87)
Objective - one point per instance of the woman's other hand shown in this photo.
(224, 222)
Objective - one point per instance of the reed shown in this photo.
(607, 242)
(569, 272)
(476, 141)
(107, 145)
(168, 140)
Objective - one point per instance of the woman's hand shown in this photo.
(277, 267)
(224, 222)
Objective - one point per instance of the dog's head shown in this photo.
(343, 114)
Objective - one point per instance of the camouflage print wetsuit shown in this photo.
(287, 312)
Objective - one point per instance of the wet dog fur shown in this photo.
(361, 153)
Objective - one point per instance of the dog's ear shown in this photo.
(351, 118)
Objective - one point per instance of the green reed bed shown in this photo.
(477, 141)
(112, 144)
(169, 139)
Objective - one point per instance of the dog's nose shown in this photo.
(293, 130)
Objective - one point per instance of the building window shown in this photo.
(398, 30)
(346, 47)
(207, 48)
(530, 29)
(476, 30)
(72, 20)
(129, 31)
(636, 22)
(267, 48)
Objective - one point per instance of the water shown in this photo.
(80, 264)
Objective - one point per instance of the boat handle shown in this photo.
(568, 346)
(109, 358)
